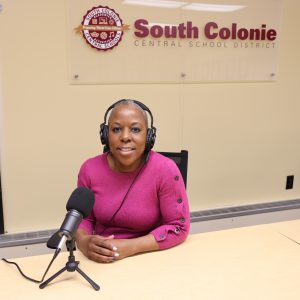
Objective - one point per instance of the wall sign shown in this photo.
(102, 28)
(161, 41)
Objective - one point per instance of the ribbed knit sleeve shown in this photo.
(174, 207)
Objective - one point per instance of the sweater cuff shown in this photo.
(168, 236)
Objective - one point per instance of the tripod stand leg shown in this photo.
(91, 282)
(43, 284)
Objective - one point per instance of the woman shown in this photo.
(140, 199)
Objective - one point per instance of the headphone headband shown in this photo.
(140, 104)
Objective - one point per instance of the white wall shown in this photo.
(243, 138)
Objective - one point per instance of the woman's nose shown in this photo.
(125, 135)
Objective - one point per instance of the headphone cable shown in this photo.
(124, 198)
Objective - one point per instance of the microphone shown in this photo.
(79, 206)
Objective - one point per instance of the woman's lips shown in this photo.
(125, 149)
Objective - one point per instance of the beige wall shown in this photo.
(243, 138)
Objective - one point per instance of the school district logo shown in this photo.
(102, 28)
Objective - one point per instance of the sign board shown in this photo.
(161, 41)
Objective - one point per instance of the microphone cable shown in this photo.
(27, 277)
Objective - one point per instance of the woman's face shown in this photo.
(127, 130)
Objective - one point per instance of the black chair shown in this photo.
(181, 160)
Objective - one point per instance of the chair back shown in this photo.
(181, 160)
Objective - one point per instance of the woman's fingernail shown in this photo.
(116, 254)
(115, 248)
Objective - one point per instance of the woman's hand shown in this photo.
(125, 247)
(129, 247)
(108, 249)
(97, 248)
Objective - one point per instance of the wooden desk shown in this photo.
(289, 229)
(245, 263)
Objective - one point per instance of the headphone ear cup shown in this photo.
(104, 134)
(150, 139)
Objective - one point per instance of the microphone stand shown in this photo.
(71, 266)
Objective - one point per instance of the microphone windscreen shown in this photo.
(82, 199)
(54, 240)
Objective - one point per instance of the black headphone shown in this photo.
(151, 132)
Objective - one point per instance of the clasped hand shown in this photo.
(105, 249)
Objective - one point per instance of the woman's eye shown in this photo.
(135, 130)
(116, 129)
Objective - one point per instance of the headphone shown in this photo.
(150, 135)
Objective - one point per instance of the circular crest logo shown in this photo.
(102, 28)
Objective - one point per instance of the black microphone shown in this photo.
(79, 206)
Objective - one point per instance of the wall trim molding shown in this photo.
(244, 210)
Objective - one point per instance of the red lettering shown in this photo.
(242, 34)
(192, 32)
(263, 32)
(171, 32)
(233, 29)
(156, 31)
(143, 30)
(211, 31)
(181, 30)
(254, 34)
(224, 33)
(271, 35)
(207, 30)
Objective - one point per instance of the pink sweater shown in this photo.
(157, 202)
